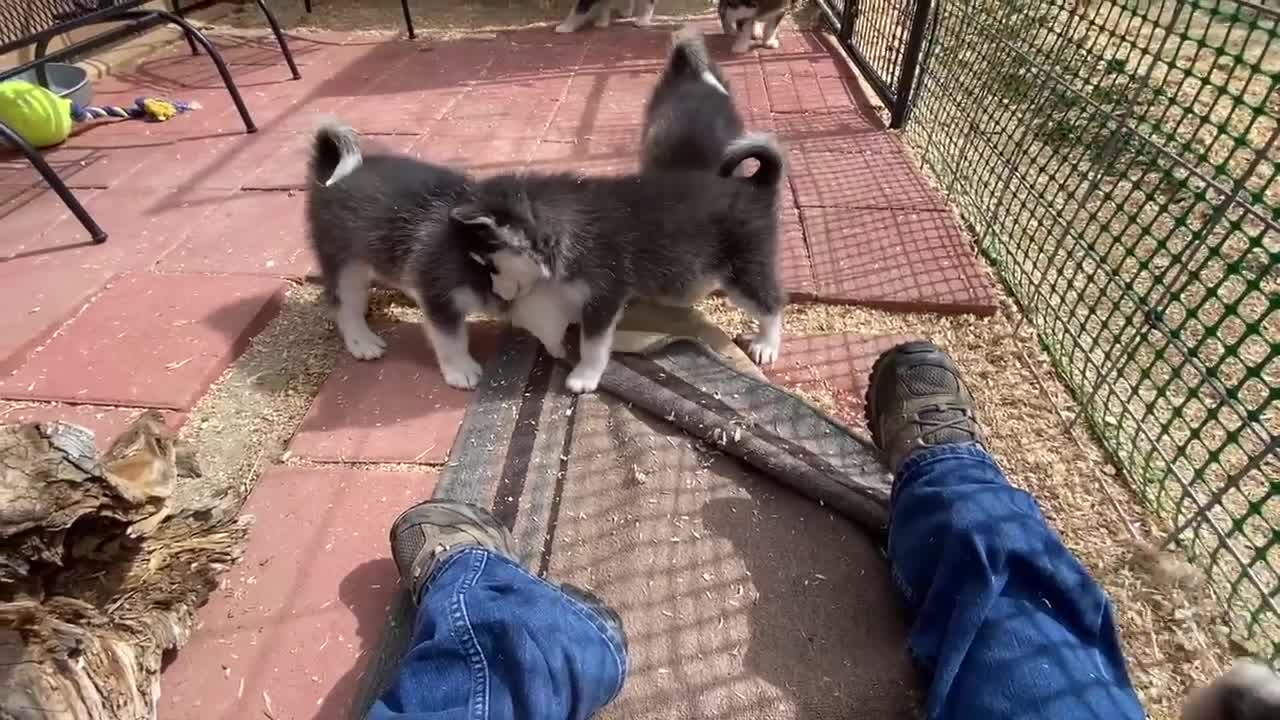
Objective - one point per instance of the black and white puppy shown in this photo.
(601, 11)
(690, 118)
(752, 19)
(386, 218)
(594, 243)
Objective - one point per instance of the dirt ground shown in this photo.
(1171, 632)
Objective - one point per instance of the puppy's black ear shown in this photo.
(470, 214)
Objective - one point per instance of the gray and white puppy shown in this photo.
(689, 123)
(690, 118)
(594, 243)
(601, 11)
(386, 218)
(752, 19)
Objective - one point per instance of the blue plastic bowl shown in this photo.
(68, 81)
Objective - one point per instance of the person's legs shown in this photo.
(1006, 623)
(492, 640)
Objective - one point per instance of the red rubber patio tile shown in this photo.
(295, 622)
(249, 233)
(393, 409)
(858, 179)
(811, 81)
(148, 341)
(796, 265)
(832, 368)
(37, 299)
(583, 156)
(105, 422)
(914, 260)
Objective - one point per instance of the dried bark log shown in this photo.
(100, 573)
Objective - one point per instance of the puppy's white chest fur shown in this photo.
(548, 309)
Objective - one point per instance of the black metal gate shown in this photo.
(885, 38)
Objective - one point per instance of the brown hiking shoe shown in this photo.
(427, 532)
(916, 399)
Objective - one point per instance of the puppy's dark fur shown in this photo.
(665, 235)
(386, 217)
(690, 119)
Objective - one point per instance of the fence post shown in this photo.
(848, 14)
(910, 64)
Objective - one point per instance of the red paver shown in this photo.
(832, 132)
(298, 619)
(250, 233)
(812, 80)
(796, 265)
(604, 104)
(857, 179)
(393, 409)
(148, 341)
(584, 156)
(833, 366)
(914, 260)
(105, 422)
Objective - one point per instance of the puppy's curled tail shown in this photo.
(764, 149)
(335, 154)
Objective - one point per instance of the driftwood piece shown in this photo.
(100, 573)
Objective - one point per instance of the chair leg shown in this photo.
(191, 42)
(213, 55)
(55, 182)
(284, 46)
(408, 19)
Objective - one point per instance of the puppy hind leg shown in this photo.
(446, 330)
(350, 289)
(599, 319)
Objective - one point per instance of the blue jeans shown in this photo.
(492, 640)
(1006, 622)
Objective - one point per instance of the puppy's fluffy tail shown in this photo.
(335, 154)
(764, 149)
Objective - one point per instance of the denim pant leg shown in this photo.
(492, 640)
(1006, 622)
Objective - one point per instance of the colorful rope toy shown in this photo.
(44, 119)
(151, 109)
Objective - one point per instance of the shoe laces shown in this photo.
(939, 418)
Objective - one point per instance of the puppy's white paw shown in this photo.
(772, 43)
(582, 380)
(762, 352)
(364, 344)
(740, 48)
(757, 31)
(463, 373)
(566, 27)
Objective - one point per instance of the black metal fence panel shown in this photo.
(1116, 161)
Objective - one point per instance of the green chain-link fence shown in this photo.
(1117, 163)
